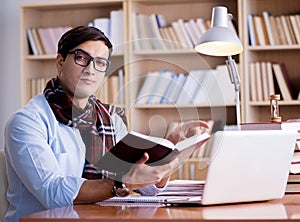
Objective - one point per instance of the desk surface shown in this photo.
(280, 210)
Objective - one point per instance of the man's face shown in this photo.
(80, 82)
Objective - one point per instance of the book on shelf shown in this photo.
(283, 81)
(103, 24)
(36, 85)
(174, 89)
(32, 45)
(202, 25)
(189, 88)
(135, 32)
(113, 89)
(286, 30)
(270, 78)
(206, 87)
(120, 158)
(147, 86)
(155, 35)
(44, 39)
(258, 79)
(162, 84)
(121, 92)
(282, 37)
(225, 84)
(117, 29)
(253, 91)
(264, 79)
(267, 22)
(260, 30)
(185, 33)
(287, 80)
(179, 34)
(175, 41)
(295, 27)
(251, 30)
(195, 29)
(166, 35)
(143, 32)
(275, 30)
(191, 33)
(38, 41)
(291, 29)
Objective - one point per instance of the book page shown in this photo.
(193, 140)
(154, 139)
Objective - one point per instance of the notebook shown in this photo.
(244, 166)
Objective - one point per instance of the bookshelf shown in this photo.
(136, 62)
(259, 111)
(156, 118)
(59, 14)
(148, 119)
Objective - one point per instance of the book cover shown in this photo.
(132, 147)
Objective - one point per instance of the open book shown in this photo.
(132, 147)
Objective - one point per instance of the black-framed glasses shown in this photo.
(83, 59)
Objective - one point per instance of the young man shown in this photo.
(53, 142)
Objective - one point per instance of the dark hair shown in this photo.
(79, 35)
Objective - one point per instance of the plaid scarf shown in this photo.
(94, 123)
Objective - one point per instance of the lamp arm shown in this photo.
(233, 73)
(235, 79)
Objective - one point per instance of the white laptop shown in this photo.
(244, 166)
(248, 166)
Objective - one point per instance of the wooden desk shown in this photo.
(280, 210)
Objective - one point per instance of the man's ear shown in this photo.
(59, 62)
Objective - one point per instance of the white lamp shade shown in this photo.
(219, 40)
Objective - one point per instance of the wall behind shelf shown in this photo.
(10, 63)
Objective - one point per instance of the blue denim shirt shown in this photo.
(45, 160)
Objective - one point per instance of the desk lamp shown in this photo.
(219, 40)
